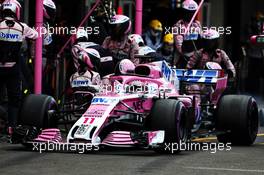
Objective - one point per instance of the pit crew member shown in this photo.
(211, 53)
(167, 49)
(118, 43)
(12, 33)
(185, 41)
(153, 36)
(106, 65)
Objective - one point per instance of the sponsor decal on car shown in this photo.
(95, 110)
(101, 100)
(138, 105)
(82, 129)
(95, 113)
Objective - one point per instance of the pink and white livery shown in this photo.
(151, 107)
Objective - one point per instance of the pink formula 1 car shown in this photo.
(149, 108)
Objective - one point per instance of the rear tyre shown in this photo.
(3, 120)
(169, 115)
(261, 117)
(237, 116)
(36, 111)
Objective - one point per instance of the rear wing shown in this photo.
(191, 76)
(197, 76)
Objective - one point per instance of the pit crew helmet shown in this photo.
(120, 25)
(81, 33)
(189, 7)
(210, 34)
(49, 10)
(168, 44)
(168, 38)
(90, 58)
(210, 39)
(11, 8)
(143, 51)
(259, 16)
(137, 39)
(155, 27)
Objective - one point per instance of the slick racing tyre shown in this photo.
(261, 117)
(237, 116)
(3, 119)
(169, 115)
(37, 111)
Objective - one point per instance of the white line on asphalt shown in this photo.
(214, 138)
(259, 143)
(225, 169)
(260, 135)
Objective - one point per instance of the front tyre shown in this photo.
(169, 115)
(36, 111)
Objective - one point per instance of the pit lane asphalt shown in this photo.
(14, 159)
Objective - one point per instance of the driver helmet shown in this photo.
(120, 25)
(125, 66)
(189, 7)
(11, 8)
(155, 27)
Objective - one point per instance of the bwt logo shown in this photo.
(7, 5)
(79, 82)
(103, 101)
(192, 7)
(9, 35)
